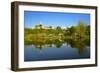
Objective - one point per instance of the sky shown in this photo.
(54, 19)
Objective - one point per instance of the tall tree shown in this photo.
(81, 29)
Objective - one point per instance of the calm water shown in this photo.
(58, 51)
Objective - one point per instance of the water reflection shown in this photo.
(78, 44)
(78, 48)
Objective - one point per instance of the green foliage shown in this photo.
(71, 31)
(79, 32)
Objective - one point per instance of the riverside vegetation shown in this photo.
(77, 36)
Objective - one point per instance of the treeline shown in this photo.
(79, 32)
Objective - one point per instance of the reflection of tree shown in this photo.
(79, 44)
(58, 43)
(39, 46)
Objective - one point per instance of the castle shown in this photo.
(40, 25)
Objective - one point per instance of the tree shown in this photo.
(70, 31)
(81, 29)
(50, 27)
(88, 30)
(40, 26)
(59, 30)
(36, 26)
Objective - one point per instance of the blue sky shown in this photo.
(31, 18)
